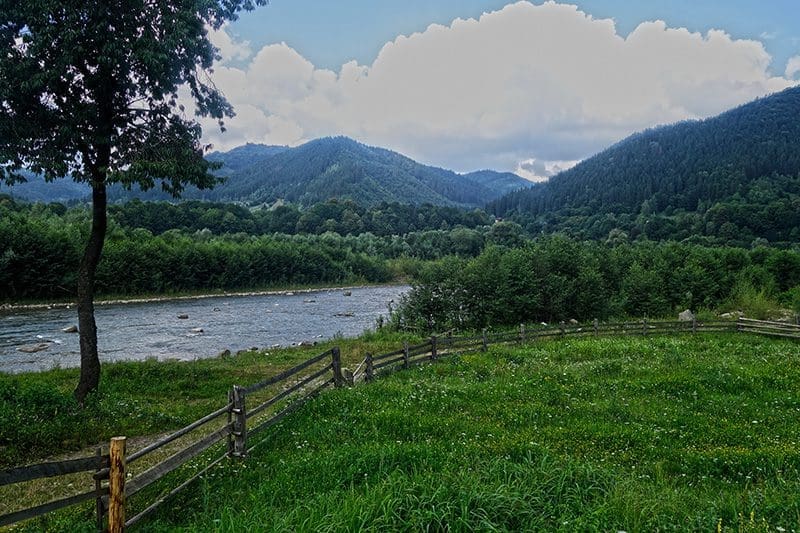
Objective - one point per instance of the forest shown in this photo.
(766, 210)
(556, 278)
(468, 270)
(734, 178)
(193, 246)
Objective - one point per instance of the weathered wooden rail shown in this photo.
(444, 345)
(97, 464)
(115, 476)
(285, 392)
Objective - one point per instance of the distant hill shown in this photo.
(745, 162)
(244, 156)
(36, 189)
(340, 167)
(503, 182)
(317, 171)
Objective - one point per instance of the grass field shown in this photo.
(656, 434)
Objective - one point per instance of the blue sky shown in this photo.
(469, 84)
(330, 33)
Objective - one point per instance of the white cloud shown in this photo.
(538, 171)
(521, 85)
(229, 49)
(793, 67)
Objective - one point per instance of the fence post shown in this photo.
(434, 353)
(116, 485)
(405, 354)
(522, 333)
(98, 487)
(485, 341)
(336, 366)
(561, 328)
(237, 436)
(596, 325)
(694, 325)
(369, 373)
(644, 326)
(230, 422)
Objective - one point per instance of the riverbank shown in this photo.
(39, 417)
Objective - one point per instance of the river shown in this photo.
(188, 329)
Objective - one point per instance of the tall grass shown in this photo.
(657, 434)
(754, 302)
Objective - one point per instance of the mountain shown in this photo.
(36, 189)
(334, 167)
(502, 182)
(741, 167)
(243, 157)
(340, 167)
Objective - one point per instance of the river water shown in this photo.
(137, 331)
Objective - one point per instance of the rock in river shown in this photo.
(70, 329)
(33, 348)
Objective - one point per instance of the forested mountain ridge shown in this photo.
(322, 169)
(743, 165)
(242, 157)
(340, 167)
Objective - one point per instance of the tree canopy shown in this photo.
(92, 90)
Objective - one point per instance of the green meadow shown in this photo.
(622, 434)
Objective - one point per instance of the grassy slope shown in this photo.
(669, 433)
(610, 434)
(40, 418)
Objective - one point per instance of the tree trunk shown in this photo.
(90, 361)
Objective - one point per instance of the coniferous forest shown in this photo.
(728, 179)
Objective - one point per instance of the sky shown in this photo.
(527, 87)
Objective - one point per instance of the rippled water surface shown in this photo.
(142, 330)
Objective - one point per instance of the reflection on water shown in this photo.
(142, 330)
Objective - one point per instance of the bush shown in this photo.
(753, 302)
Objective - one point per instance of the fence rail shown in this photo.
(298, 388)
(96, 463)
(113, 485)
(448, 344)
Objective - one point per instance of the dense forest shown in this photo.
(468, 270)
(166, 248)
(556, 279)
(200, 246)
(734, 177)
(768, 212)
(342, 217)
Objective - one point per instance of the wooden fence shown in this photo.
(235, 422)
(444, 345)
(116, 479)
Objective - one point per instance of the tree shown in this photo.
(90, 90)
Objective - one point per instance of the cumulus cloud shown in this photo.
(537, 171)
(793, 67)
(518, 89)
(229, 48)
